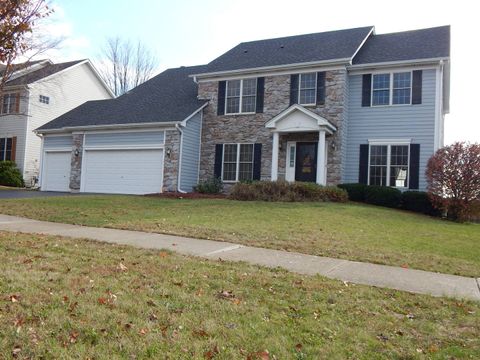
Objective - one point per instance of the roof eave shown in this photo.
(106, 127)
(293, 66)
(384, 64)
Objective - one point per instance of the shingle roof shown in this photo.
(41, 73)
(169, 96)
(324, 46)
(407, 45)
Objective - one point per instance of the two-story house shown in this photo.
(333, 107)
(36, 93)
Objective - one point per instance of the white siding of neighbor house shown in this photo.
(125, 139)
(191, 153)
(57, 142)
(66, 90)
(415, 122)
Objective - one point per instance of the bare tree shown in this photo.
(19, 34)
(124, 65)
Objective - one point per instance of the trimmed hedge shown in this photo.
(10, 175)
(285, 191)
(419, 201)
(356, 192)
(210, 186)
(383, 196)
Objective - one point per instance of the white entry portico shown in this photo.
(298, 119)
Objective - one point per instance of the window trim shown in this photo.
(390, 95)
(241, 97)
(389, 160)
(300, 88)
(237, 168)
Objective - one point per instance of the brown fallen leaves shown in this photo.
(229, 295)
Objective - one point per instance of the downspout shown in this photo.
(177, 126)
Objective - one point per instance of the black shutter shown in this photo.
(221, 97)
(414, 166)
(257, 161)
(218, 161)
(363, 169)
(366, 89)
(321, 88)
(293, 89)
(260, 93)
(417, 87)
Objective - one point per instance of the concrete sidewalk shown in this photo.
(415, 281)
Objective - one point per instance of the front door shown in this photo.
(306, 162)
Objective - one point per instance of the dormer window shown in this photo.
(241, 96)
(44, 99)
(10, 103)
(307, 89)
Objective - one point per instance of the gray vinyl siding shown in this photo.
(191, 153)
(141, 139)
(57, 142)
(415, 122)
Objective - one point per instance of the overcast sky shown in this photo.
(181, 32)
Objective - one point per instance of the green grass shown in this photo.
(79, 299)
(348, 231)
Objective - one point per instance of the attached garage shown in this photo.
(56, 163)
(123, 162)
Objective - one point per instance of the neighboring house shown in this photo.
(333, 107)
(36, 93)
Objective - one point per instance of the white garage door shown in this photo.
(56, 171)
(123, 171)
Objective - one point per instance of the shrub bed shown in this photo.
(356, 192)
(210, 186)
(419, 201)
(285, 191)
(10, 175)
(383, 196)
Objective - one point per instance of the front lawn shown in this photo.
(68, 298)
(350, 231)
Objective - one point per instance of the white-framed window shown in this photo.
(6, 147)
(9, 103)
(237, 162)
(44, 99)
(307, 89)
(241, 96)
(392, 88)
(389, 165)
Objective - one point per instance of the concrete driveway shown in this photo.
(23, 194)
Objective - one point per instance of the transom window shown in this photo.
(6, 149)
(392, 89)
(237, 162)
(241, 96)
(9, 103)
(44, 99)
(389, 165)
(307, 94)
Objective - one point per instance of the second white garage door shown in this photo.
(123, 171)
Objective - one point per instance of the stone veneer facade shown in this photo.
(76, 162)
(251, 128)
(171, 162)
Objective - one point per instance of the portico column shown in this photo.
(275, 156)
(321, 158)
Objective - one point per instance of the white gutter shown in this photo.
(179, 177)
(394, 63)
(107, 127)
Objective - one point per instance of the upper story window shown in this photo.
(10, 103)
(44, 99)
(6, 146)
(389, 165)
(307, 94)
(240, 96)
(392, 89)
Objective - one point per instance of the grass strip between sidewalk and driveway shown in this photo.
(348, 231)
(60, 297)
